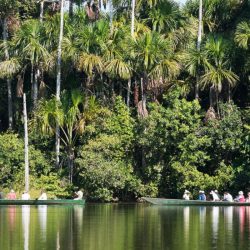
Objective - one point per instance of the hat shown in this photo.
(186, 191)
(12, 191)
(202, 192)
(216, 191)
(240, 192)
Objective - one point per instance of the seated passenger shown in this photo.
(1, 195)
(215, 196)
(216, 191)
(11, 195)
(202, 196)
(240, 197)
(79, 195)
(227, 197)
(25, 196)
(43, 195)
(186, 195)
(248, 197)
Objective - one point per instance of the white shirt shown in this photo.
(79, 194)
(25, 196)
(228, 197)
(43, 196)
(215, 196)
(186, 196)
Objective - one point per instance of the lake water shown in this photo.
(124, 227)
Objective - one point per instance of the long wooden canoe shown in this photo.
(178, 202)
(42, 202)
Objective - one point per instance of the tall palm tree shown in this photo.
(242, 34)
(71, 114)
(198, 48)
(154, 62)
(58, 78)
(8, 9)
(31, 48)
(217, 68)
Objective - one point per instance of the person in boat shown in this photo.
(248, 197)
(25, 196)
(216, 191)
(11, 195)
(186, 195)
(43, 195)
(79, 194)
(1, 195)
(215, 197)
(227, 197)
(240, 197)
(202, 196)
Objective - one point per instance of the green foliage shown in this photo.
(12, 160)
(53, 184)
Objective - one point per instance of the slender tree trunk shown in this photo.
(9, 87)
(111, 15)
(26, 148)
(133, 18)
(71, 164)
(41, 10)
(128, 92)
(101, 6)
(217, 102)
(211, 96)
(198, 49)
(120, 88)
(229, 93)
(70, 8)
(58, 80)
(143, 95)
(35, 87)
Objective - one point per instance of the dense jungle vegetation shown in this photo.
(142, 97)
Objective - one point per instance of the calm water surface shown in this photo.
(124, 226)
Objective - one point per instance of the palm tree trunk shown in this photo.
(229, 93)
(70, 8)
(101, 6)
(199, 48)
(58, 79)
(111, 15)
(128, 91)
(211, 96)
(217, 102)
(26, 148)
(133, 18)
(35, 87)
(9, 87)
(41, 11)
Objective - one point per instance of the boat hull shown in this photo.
(41, 202)
(179, 202)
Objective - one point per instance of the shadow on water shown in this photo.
(124, 226)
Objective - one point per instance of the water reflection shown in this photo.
(186, 217)
(215, 222)
(228, 217)
(112, 227)
(26, 225)
(12, 216)
(42, 213)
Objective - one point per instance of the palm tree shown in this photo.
(58, 79)
(8, 9)
(217, 68)
(165, 16)
(71, 114)
(31, 48)
(242, 34)
(198, 48)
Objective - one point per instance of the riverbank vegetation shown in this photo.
(140, 103)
